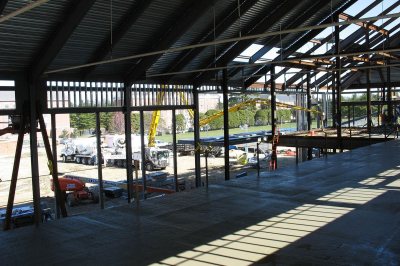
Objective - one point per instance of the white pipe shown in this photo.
(23, 10)
(250, 37)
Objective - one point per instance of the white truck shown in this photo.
(80, 150)
(115, 153)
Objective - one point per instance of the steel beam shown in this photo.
(329, 142)
(14, 176)
(124, 25)
(55, 42)
(225, 97)
(299, 43)
(170, 35)
(227, 18)
(263, 23)
(389, 87)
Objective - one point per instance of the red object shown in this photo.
(67, 184)
(290, 153)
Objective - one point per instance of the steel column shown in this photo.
(309, 151)
(368, 77)
(226, 121)
(99, 164)
(274, 157)
(174, 150)
(143, 153)
(128, 141)
(34, 155)
(53, 166)
(196, 127)
(338, 86)
(389, 88)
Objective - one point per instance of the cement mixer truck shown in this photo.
(115, 153)
(80, 150)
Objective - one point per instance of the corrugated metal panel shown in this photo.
(22, 36)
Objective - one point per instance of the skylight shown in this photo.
(249, 52)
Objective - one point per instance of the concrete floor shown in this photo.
(344, 210)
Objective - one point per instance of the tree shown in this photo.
(216, 123)
(262, 117)
(180, 122)
(106, 120)
(118, 122)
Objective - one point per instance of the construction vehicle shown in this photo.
(115, 153)
(75, 191)
(81, 150)
(206, 120)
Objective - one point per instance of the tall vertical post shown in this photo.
(99, 164)
(226, 121)
(196, 126)
(55, 165)
(309, 151)
(389, 86)
(333, 107)
(128, 140)
(368, 77)
(143, 153)
(274, 156)
(174, 150)
(338, 86)
(34, 154)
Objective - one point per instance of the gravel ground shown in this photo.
(185, 170)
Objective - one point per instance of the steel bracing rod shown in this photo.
(14, 176)
(22, 10)
(224, 41)
(338, 84)
(50, 158)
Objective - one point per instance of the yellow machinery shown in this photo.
(208, 119)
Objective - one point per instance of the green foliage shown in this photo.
(106, 120)
(283, 115)
(263, 117)
(217, 123)
(83, 121)
(180, 122)
(135, 120)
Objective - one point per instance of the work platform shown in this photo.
(343, 210)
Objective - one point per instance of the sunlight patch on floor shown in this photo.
(255, 242)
